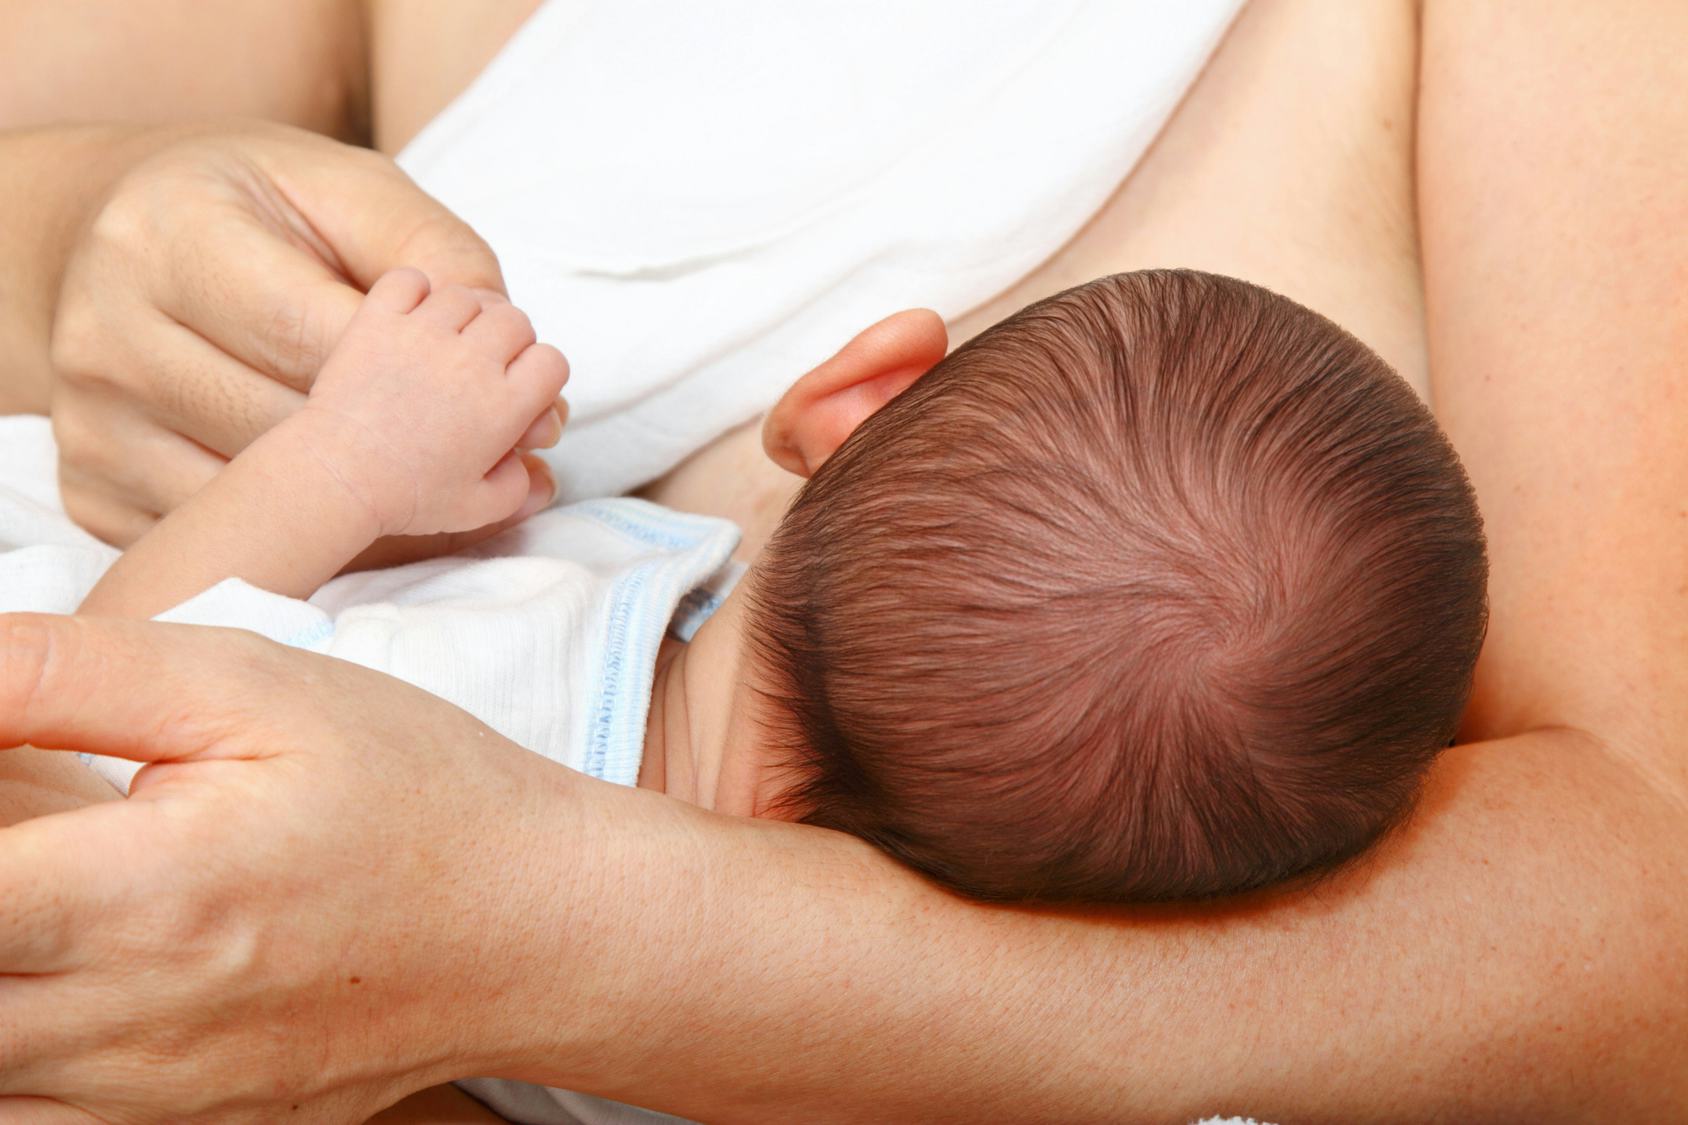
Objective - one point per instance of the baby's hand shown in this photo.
(426, 403)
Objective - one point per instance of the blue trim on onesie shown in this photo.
(615, 744)
(618, 686)
(647, 522)
(309, 638)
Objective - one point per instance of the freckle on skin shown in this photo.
(356, 980)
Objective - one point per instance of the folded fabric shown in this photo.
(698, 202)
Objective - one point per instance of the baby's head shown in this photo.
(1163, 588)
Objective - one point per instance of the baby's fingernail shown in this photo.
(542, 489)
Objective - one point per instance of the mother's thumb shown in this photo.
(375, 218)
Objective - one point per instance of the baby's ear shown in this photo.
(812, 419)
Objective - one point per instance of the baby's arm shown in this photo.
(415, 425)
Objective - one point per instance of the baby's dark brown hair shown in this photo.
(1163, 588)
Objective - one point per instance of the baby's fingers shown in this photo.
(542, 486)
(536, 378)
(518, 486)
(502, 330)
(546, 431)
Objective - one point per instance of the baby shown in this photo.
(1162, 588)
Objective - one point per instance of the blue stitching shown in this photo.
(624, 522)
(624, 598)
(305, 638)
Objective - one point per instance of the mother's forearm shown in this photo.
(747, 971)
(51, 181)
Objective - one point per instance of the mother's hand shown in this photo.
(201, 296)
(312, 902)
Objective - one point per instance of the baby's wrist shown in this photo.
(325, 458)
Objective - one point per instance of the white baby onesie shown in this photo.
(548, 633)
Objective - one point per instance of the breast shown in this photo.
(1288, 164)
(424, 53)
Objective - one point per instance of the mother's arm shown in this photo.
(1516, 953)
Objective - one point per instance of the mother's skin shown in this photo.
(1515, 953)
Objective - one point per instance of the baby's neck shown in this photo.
(700, 743)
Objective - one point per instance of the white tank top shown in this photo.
(698, 202)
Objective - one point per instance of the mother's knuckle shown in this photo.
(295, 339)
(80, 441)
(443, 238)
(253, 660)
(97, 516)
(75, 344)
(127, 218)
(79, 504)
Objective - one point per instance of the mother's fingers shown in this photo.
(179, 467)
(132, 689)
(148, 469)
(279, 283)
(43, 1111)
(55, 889)
(116, 483)
(37, 782)
(268, 302)
(97, 508)
(374, 217)
(48, 1030)
(136, 446)
(212, 397)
